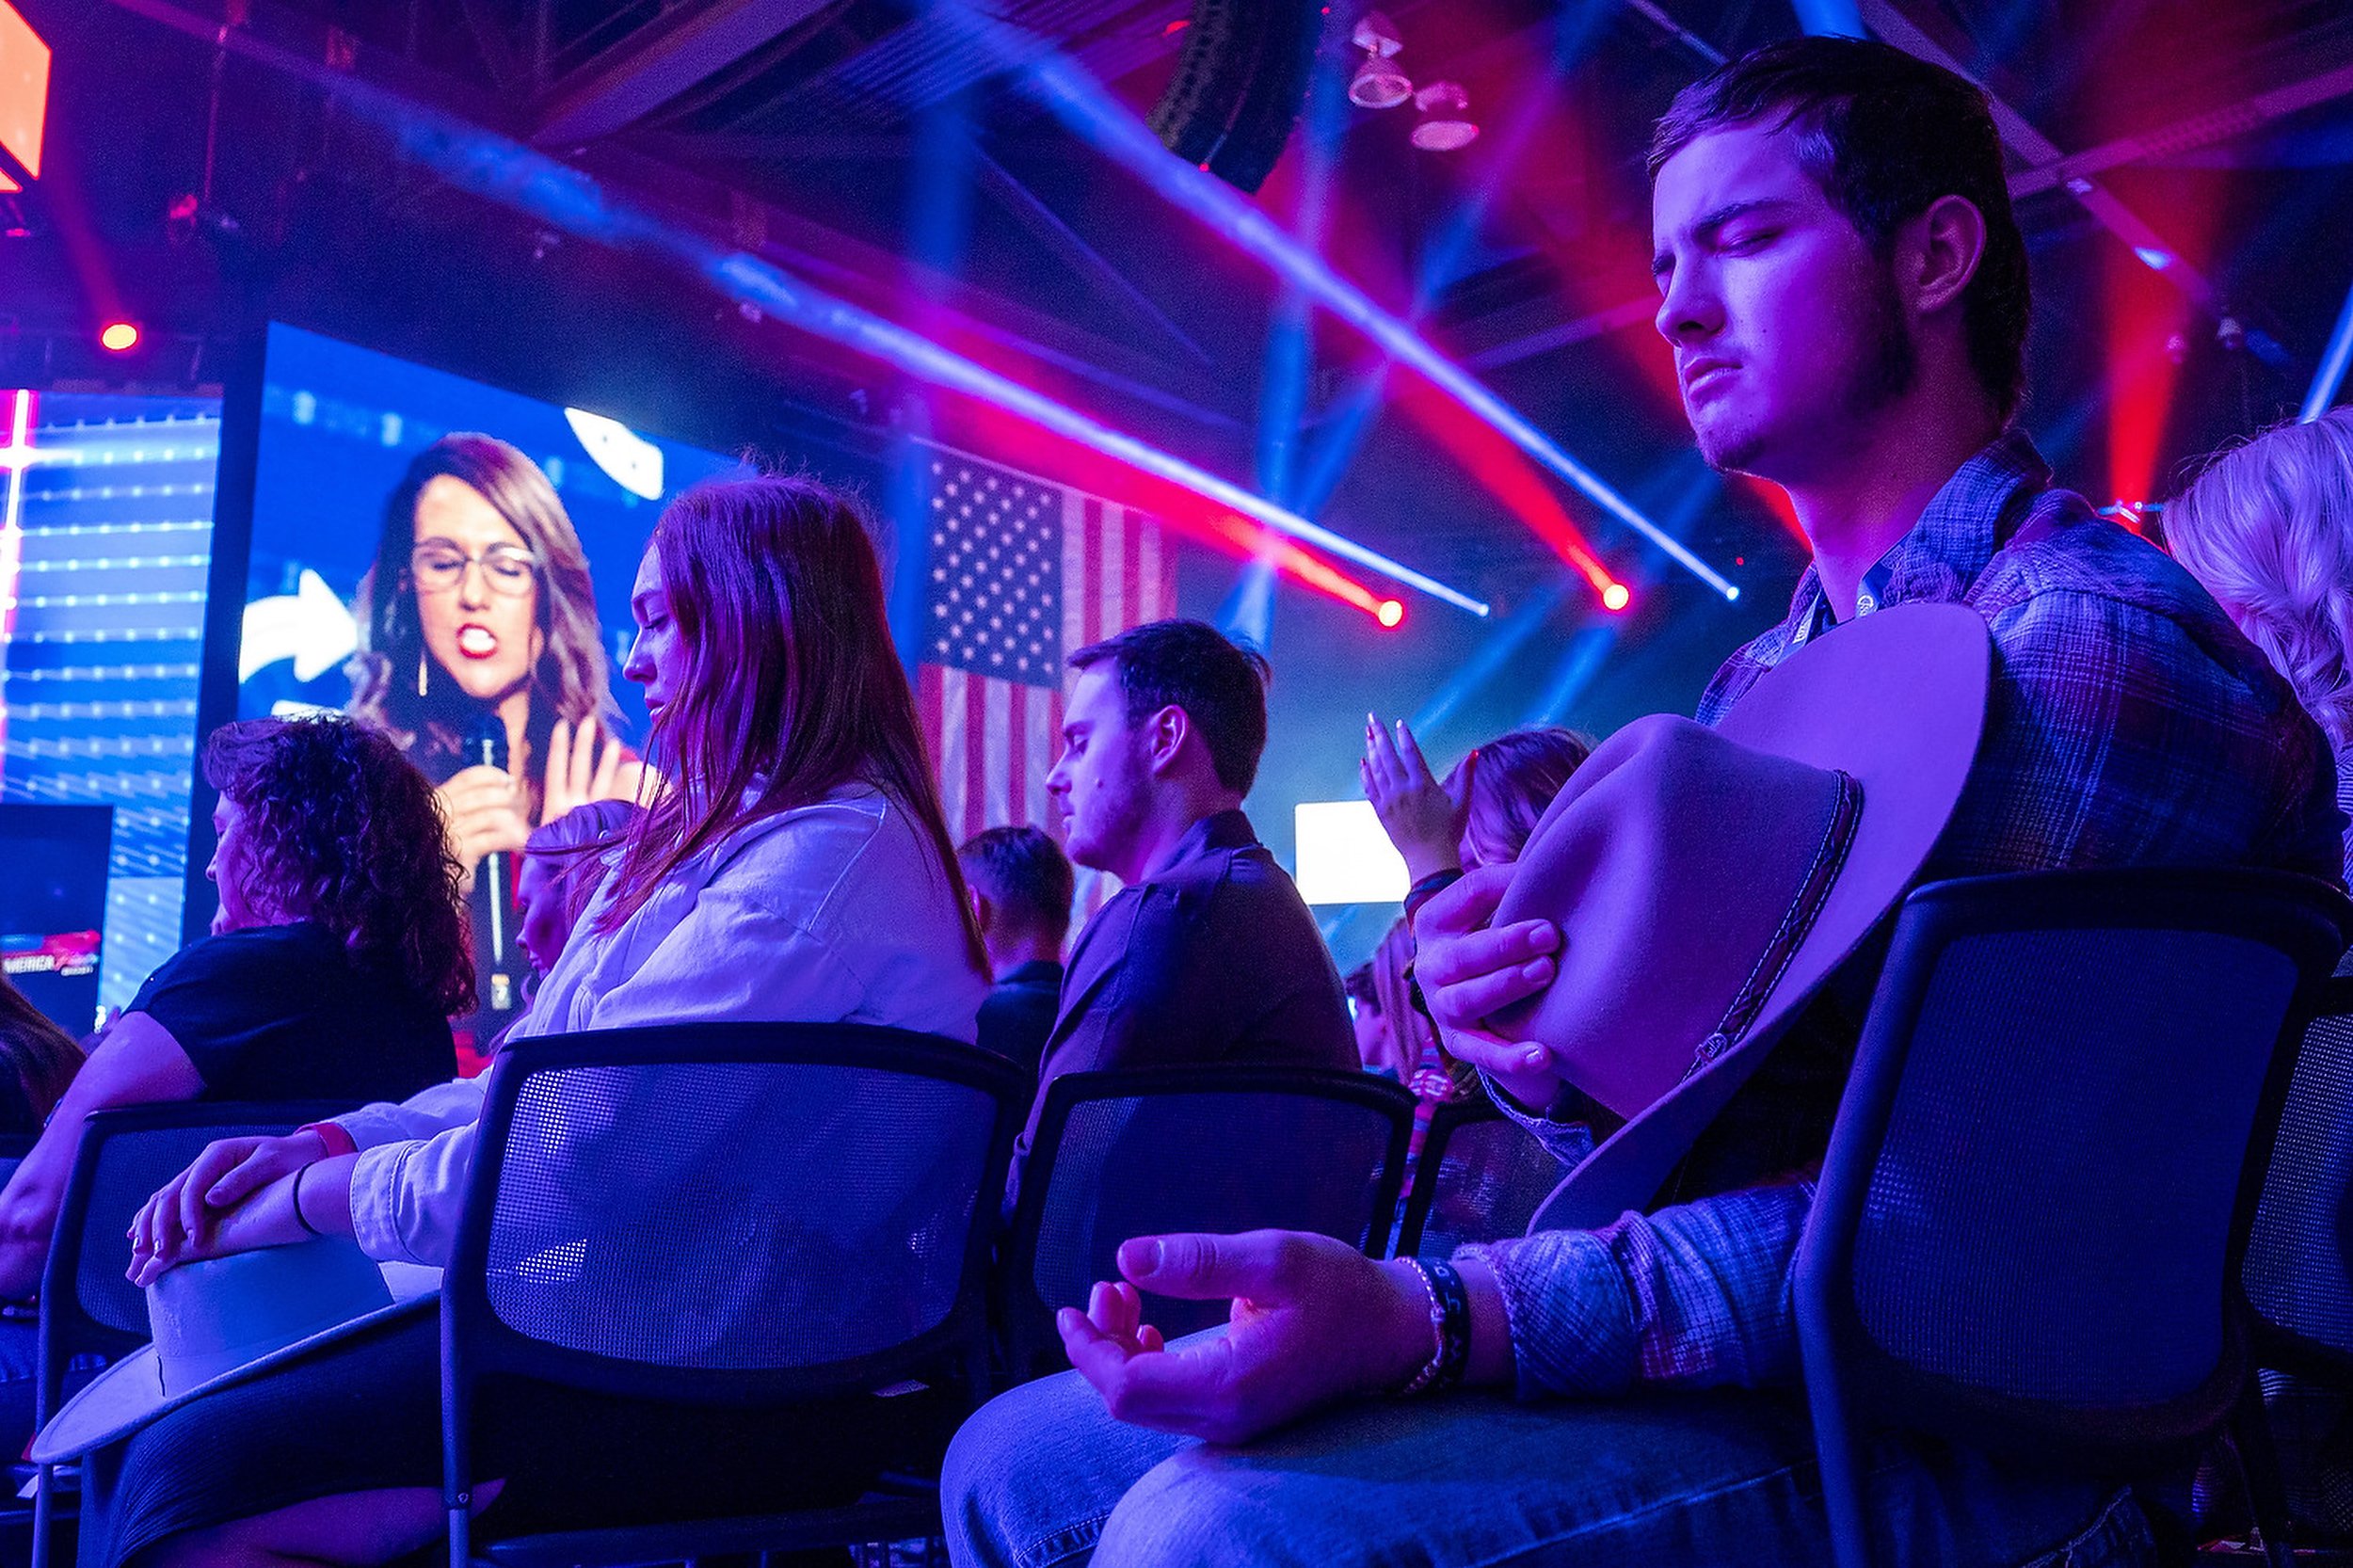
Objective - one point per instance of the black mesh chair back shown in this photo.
(1481, 1176)
(87, 1304)
(1220, 1149)
(2043, 1172)
(87, 1308)
(724, 1214)
(2298, 1274)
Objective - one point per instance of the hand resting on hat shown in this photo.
(1468, 969)
(230, 1201)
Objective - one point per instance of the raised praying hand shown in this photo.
(1420, 818)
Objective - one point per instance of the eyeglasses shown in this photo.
(438, 569)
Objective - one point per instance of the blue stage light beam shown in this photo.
(1345, 427)
(502, 170)
(2334, 360)
(1089, 113)
(1589, 648)
(1516, 631)
(1248, 612)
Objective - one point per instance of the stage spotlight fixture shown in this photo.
(1379, 84)
(1239, 85)
(1446, 121)
(1616, 596)
(1391, 613)
(119, 337)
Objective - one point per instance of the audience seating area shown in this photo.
(2045, 1169)
(2115, 1049)
(89, 1305)
(1192, 1148)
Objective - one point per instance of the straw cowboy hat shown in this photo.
(222, 1321)
(1707, 881)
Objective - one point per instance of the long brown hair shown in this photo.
(567, 679)
(346, 831)
(43, 1057)
(791, 688)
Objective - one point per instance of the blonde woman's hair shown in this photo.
(2268, 528)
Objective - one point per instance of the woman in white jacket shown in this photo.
(799, 869)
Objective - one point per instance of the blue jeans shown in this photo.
(1043, 1477)
(20, 1383)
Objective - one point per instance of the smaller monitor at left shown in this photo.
(52, 906)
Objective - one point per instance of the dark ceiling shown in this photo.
(893, 150)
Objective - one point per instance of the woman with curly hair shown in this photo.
(337, 954)
(798, 869)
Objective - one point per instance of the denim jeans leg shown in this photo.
(1659, 1480)
(1030, 1477)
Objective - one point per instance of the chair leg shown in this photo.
(2259, 1463)
(43, 1503)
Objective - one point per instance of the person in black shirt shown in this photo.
(336, 958)
(1021, 887)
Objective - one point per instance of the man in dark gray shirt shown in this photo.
(1021, 890)
(1207, 954)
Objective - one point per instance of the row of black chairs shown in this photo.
(2030, 1232)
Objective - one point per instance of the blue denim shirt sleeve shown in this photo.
(1567, 1141)
(1695, 1295)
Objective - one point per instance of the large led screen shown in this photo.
(450, 561)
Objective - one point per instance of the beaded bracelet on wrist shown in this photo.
(1449, 1328)
(1429, 888)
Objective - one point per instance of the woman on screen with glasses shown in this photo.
(478, 617)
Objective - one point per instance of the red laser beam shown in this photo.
(1508, 475)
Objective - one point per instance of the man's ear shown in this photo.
(982, 909)
(1165, 735)
(1941, 252)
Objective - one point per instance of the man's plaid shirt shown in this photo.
(2128, 722)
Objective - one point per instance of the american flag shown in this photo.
(1021, 572)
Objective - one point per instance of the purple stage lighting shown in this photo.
(1089, 113)
(503, 170)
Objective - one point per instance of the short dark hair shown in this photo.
(1190, 664)
(1886, 134)
(1027, 872)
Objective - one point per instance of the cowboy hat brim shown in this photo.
(1898, 697)
(130, 1394)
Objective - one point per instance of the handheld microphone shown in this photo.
(486, 746)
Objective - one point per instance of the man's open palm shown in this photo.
(1314, 1320)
